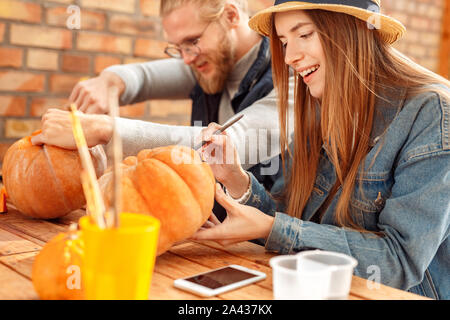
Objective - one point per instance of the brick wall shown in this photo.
(41, 58)
(423, 21)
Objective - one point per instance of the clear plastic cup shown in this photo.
(340, 268)
(312, 275)
(289, 283)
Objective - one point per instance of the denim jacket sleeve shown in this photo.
(262, 199)
(415, 218)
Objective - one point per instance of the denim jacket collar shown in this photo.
(387, 106)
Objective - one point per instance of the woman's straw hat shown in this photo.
(367, 10)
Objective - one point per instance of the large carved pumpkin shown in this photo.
(56, 273)
(44, 181)
(169, 183)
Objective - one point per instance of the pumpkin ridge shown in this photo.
(57, 181)
(7, 168)
(12, 168)
(29, 163)
(138, 190)
(184, 181)
(202, 174)
(169, 230)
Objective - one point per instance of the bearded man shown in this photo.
(217, 61)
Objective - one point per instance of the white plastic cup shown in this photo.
(339, 266)
(312, 275)
(291, 284)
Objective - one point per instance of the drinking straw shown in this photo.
(117, 158)
(94, 200)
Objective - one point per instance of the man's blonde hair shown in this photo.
(209, 9)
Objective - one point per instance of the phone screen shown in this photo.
(219, 278)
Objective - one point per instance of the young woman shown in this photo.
(368, 173)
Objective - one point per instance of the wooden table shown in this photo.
(22, 238)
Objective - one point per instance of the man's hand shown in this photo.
(92, 96)
(57, 129)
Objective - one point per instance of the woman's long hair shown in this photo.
(358, 66)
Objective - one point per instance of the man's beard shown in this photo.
(223, 61)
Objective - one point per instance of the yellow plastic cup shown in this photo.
(118, 263)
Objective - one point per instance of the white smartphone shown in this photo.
(219, 280)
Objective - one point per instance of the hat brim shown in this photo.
(389, 28)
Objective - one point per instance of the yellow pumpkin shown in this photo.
(170, 183)
(56, 273)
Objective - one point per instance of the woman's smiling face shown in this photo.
(303, 49)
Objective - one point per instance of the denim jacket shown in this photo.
(406, 198)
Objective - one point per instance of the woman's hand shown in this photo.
(57, 129)
(222, 156)
(242, 223)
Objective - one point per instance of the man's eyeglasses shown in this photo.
(187, 48)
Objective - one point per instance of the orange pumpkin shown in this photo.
(56, 273)
(3, 196)
(44, 181)
(170, 183)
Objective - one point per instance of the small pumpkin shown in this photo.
(3, 196)
(44, 181)
(170, 183)
(56, 273)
